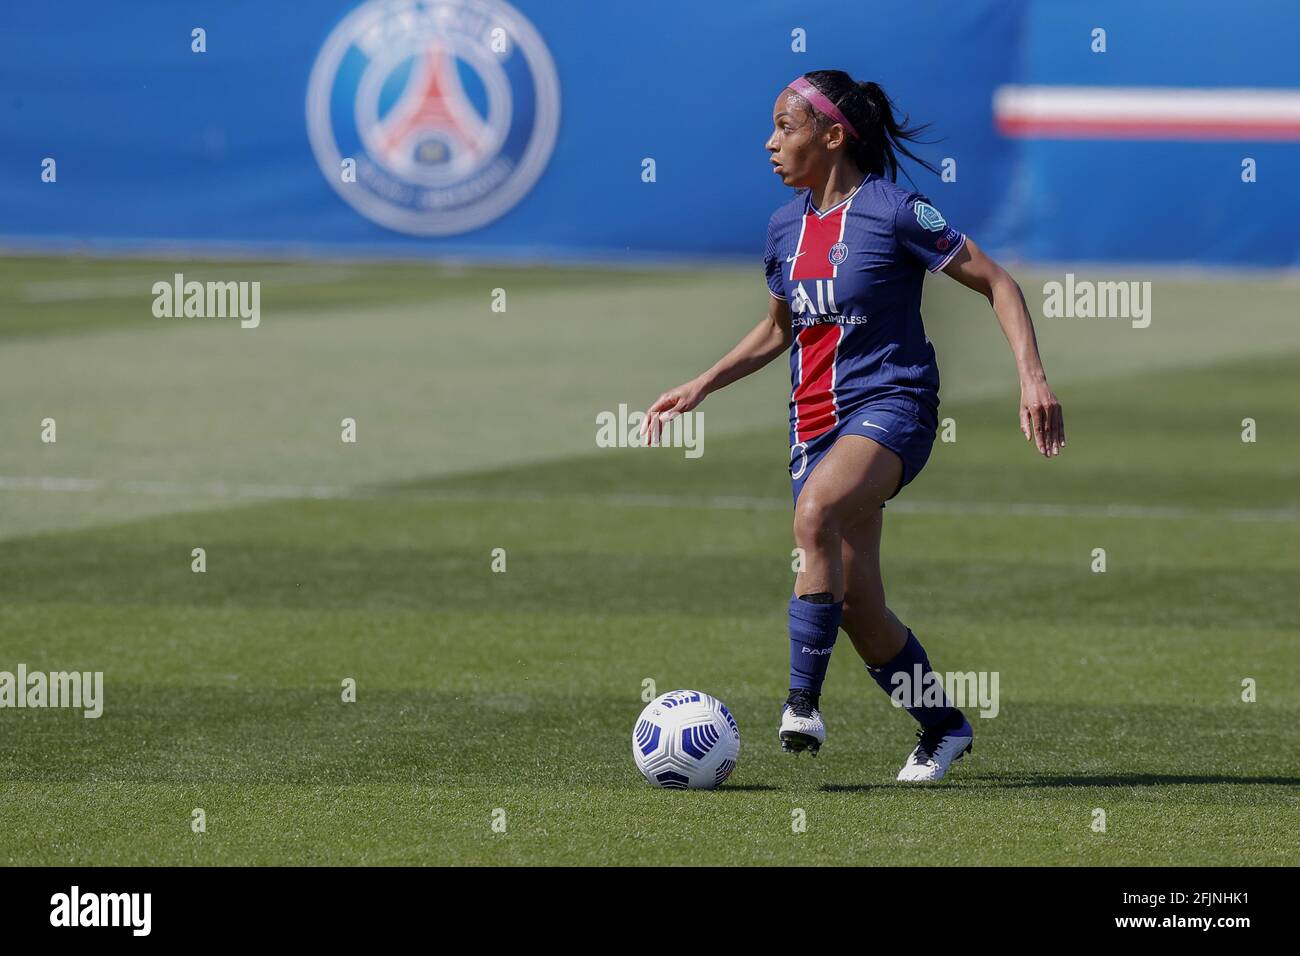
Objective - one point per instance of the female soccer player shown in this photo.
(846, 259)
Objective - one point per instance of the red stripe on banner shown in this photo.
(814, 398)
(813, 260)
(1147, 128)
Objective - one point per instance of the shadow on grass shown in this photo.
(1031, 781)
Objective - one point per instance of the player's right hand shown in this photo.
(669, 405)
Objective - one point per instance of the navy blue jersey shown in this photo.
(853, 277)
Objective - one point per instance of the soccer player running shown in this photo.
(846, 259)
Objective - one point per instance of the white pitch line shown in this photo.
(216, 489)
(140, 286)
(250, 492)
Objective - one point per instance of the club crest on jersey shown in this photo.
(448, 110)
(838, 253)
(929, 217)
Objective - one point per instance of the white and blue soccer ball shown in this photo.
(686, 740)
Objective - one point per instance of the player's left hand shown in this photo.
(672, 403)
(1040, 417)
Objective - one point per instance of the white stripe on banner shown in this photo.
(1183, 113)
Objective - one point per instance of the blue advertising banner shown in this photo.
(584, 130)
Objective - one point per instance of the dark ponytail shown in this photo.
(882, 137)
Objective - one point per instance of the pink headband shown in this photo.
(823, 104)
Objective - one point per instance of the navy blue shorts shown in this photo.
(905, 426)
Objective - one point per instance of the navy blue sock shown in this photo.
(904, 678)
(814, 625)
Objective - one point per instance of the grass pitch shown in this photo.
(479, 691)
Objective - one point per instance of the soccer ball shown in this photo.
(686, 740)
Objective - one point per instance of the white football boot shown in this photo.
(936, 750)
(801, 723)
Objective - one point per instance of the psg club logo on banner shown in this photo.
(449, 109)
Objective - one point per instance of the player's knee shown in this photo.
(815, 520)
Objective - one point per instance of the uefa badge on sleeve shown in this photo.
(929, 217)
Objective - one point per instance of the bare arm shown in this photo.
(764, 342)
(1040, 412)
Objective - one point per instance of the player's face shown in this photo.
(798, 156)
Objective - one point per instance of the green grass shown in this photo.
(478, 691)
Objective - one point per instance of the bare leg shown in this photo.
(848, 484)
(849, 481)
(876, 633)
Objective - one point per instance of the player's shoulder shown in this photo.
(908, 207)
(891, 195)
